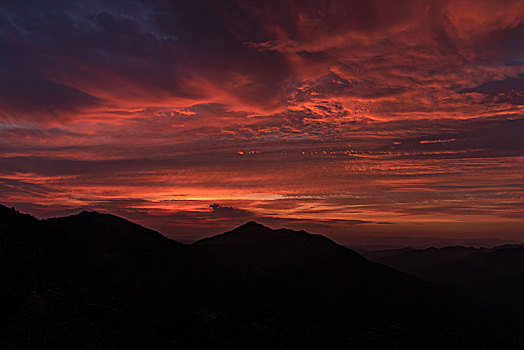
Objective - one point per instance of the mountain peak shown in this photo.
(89, 212)
(250, 232)
(252, 225)
(11, 213)
(96, 215)
(253, 233)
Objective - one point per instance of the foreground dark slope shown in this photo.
(98, 281)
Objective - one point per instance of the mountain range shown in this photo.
(491, 277)
(97, 281)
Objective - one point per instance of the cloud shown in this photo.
(330, 113)
(229, 212)
(510, 90)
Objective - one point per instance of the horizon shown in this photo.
(348, 119)
(358, 243)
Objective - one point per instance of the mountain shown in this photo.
(94, 280)
(389, 243)
(417, 261)
(86, 279)
(492, 278)
(87, 246)
(108, 247)
(299, 264)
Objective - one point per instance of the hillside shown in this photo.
(94, 280)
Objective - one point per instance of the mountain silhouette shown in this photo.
(253, 233)
(490, 277)
(417, 261)
(285, 264)
(95, 280)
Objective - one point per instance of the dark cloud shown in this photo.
(229, 212)
(510, 90)
(63, 58)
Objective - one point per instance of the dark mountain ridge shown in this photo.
(299, 265)
(490, 277)
(94, 280)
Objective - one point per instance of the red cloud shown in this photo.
(404, 112)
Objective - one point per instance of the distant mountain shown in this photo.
(493, 278)
(98, 281)
(376, 243)
(417, 261)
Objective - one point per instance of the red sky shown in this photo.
(346, 118)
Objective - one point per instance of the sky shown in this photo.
(349, 118)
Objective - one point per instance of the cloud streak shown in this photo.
(332, 115)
